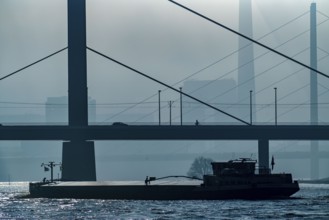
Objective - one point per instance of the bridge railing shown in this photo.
(154, 123)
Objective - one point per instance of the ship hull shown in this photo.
(162, 192)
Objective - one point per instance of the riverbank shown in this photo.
(319, 181)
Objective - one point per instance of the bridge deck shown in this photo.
(147, 132)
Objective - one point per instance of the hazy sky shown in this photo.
(155, 37)
(160, 39)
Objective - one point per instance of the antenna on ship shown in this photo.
(51, 166)
(272, 162)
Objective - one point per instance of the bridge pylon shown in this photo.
(78, 155)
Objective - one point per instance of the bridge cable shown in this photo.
(222, 76)
(250, 39)
(151, 113)
(323, 14)
(297, 105)
(263, 72)
(168, 86)
(245, 46)
(284, 113)
(143, 101)
(293, 38)
(284, 79)
(231, 89)
(229, 56)
(231, 71)
(241, 65)
(130, 107)
(323, 51)
(285, 24)
(294, 105)
(210, 65)
(38, 61)
(272, 84)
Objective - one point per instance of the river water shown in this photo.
(311, 202)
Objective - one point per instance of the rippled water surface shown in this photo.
(311, 202)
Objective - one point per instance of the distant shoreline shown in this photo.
(319, 181)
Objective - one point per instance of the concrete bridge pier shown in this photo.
(78, 161)
(315, 160)
(78, 155)
(263, 154)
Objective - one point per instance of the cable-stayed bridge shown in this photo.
(78, 150)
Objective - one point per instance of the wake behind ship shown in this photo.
(235, 179)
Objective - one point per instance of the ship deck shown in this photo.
(126, 183)
(158, 190)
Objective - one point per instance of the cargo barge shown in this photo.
(235, 179)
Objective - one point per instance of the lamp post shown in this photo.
(159, 92)
(276, 106)
(181, 106)
(170, 105)
(251, 107)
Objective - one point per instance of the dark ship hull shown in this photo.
(235, 179)
(81, 190)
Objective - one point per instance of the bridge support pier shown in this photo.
(78, 161)
(314, 160)
(263, 154)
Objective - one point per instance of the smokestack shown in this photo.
(246, 55)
